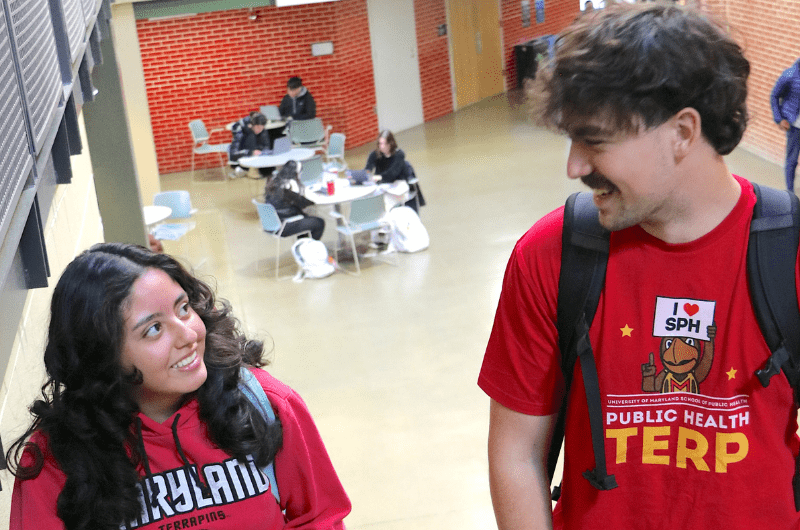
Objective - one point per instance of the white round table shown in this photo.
(298, 153)
(343, 192)
(155, 214)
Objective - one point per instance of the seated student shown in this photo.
(234, 150)
(389, 166)
(298, 103)
(250, 139)
(143, 421)
(387, 162)
(288, 202)
(249, 136)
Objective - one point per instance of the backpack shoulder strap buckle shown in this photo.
(773, 365)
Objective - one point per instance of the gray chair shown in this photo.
(334, 154)
(309, 133)
(200, 145)
(365, 215)
(272, 224)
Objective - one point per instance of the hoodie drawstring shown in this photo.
(148, 474)
(192, 469)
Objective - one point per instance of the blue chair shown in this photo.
(200, 145)
(309, 133)
(272, 224)
(180, 203)
(334, 155)
(366, 214)
(178, 200)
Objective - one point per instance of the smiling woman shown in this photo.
(144, 422)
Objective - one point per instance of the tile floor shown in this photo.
(387, 361)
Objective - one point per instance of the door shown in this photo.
(476, 49)
(393, 37)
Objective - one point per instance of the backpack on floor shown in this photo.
(771, 262)
(312, 259)
(408, 234)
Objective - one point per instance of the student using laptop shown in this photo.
(298, 103)
(387, 161)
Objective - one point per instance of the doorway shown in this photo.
(393, 37)
(476, 49)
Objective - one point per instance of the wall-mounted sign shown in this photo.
(322, 48)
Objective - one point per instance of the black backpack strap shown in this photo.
(584, 256)
(771, 264)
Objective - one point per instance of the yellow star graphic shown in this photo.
(731, 374)
(626, 331)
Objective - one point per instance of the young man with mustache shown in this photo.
(652, 97)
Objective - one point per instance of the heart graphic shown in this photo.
(691, 309)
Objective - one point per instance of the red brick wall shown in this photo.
(557, 15)
(434, 59)
(219, 66)
(765, 28)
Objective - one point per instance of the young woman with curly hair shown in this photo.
(142, 421)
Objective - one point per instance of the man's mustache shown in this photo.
(596, 181)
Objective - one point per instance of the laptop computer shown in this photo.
(359, 176)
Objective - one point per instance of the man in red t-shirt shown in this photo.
(652, 97)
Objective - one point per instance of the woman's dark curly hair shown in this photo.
(87, 413)
(638, 65)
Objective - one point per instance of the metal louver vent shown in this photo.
(89, 9)
(76, 26)
(38, 62)
(16, 160)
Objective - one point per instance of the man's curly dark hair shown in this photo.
(637, 65)
(86, 413)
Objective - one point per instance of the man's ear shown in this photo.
(687, 130)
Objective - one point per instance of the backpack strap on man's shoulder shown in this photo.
(584, 256)
(771, 266)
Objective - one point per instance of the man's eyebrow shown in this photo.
(588, 131)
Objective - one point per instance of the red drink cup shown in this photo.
(330, 187)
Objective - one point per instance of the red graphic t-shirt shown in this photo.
(692, 437)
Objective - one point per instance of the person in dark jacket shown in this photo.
(289, 203)
(250, 138)
(298, 103)
(387, 162)
(785, 101)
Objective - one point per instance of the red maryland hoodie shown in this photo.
(231, 494)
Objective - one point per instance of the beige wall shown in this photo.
(72, 226)
(137, 111)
